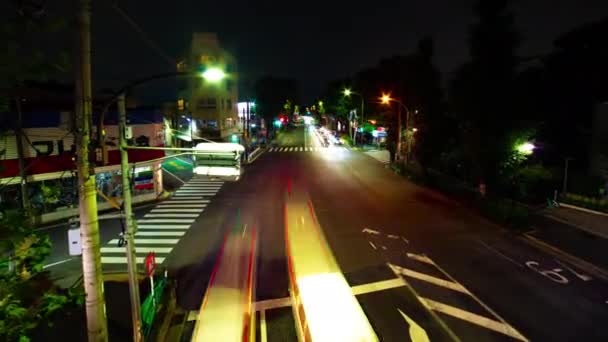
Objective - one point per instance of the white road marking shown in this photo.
(429, 279)
(290, 149)
(417, 333)
(383, 247)
(378, 286)
(190, 197)
(391, 236)
(195, 192)
(123, 260)
(58, 263)
(199, 189)
(405, 240)
(271, 150)
(164, 250)
(177, 210)
(301, 149)
(172, 215)
(583, 277)
(473, 318)
(421, 258)
(496, 315)
(497, 252)
(272, 304)
(372, 244)
(370, 231)
(176, 205)
(263, 334)
(165, 220)
(163, 226)
(140, 233)
(150, 241)
(184, 201)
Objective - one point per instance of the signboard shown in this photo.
(150, 264)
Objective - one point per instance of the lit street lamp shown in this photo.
(213, 74)
(387, 99)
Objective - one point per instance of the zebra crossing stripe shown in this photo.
(167, 220)
(149, 241)
(171, 215)
(301, 149)
(181, 205)
(197, 191)
(139, 250)
(186, 201)
(162, 226)
(123, 260)
(177, 210)
(140, 233)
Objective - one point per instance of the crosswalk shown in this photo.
(307, 149)
(161, 228)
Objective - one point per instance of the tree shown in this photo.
(271, 93)
(482, 91)
(27, 296)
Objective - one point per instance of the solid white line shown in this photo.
(172, 215)
(372, 244)
(123, 260)
(140, 233)
(378, 286)
(473, 318)
(177, 210)
(164, 250)
(165, 220)
(162, 226)
(500, 254)
(429, 279)
(150, 241)
(58, 263)
(421, 258)
(263, 334)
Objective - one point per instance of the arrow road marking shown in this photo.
(417, 333)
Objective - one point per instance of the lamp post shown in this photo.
(348, 92)
(387, 99)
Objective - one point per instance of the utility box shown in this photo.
(74, 239)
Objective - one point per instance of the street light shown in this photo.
(213, 74)
(347, 93)
(387, 99)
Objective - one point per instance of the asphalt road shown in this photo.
(480, 282)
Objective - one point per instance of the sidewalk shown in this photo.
(383, 156)
(580, 234)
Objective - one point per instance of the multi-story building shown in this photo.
(211, 102)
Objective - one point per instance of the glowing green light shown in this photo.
(526, 148)
(234, 138)
(213, 74)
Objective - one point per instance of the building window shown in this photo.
(228, 104)
(229, 85)
(212, 102)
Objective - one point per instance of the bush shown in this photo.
(592, 203)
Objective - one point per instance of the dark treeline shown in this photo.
(470, 122)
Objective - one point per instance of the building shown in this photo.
(210, 103)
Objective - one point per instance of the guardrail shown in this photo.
(226, 313)
(324, 306)
(255, 154)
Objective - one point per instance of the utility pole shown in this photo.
(399, 131)
(129, 221)
(25, 198)
(87, 197)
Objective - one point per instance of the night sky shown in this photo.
(312, 41)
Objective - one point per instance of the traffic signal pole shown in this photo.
(129, 221)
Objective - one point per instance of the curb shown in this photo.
(597, 271)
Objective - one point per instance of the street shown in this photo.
(411, 256)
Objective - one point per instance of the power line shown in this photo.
(144, 35)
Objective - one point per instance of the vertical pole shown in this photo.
(565, 187)
(248, 118)
(89, 226)
(399, 131)
(407, 135)
(129, 221)
(25, 199)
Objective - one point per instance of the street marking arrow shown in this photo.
(417, 333)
